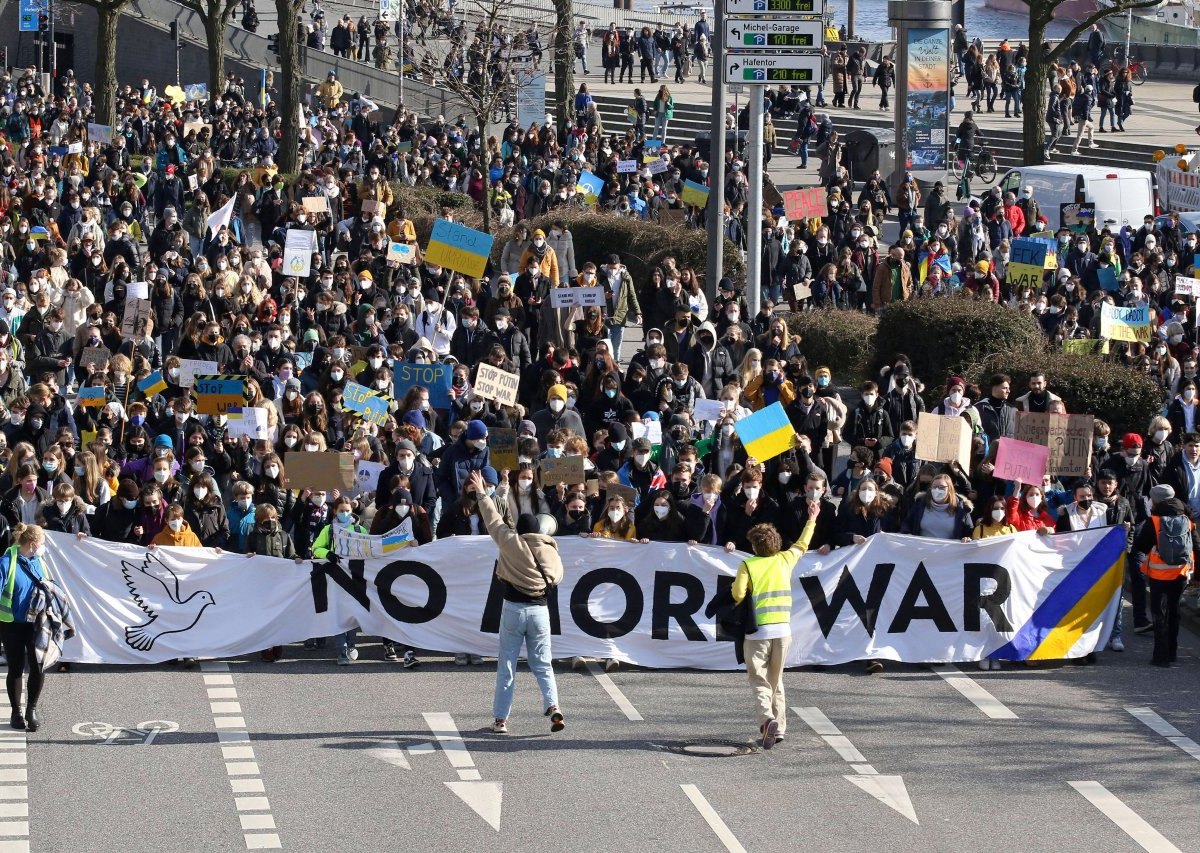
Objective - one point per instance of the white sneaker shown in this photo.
(1093, 143)
(578, 662)
(985, 664)
(353, 654)
(611, 664)
(1117, 644)
(996, 666)
(500, 727)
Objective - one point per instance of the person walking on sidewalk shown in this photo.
(885, 79)
(767, 577)
(529, 567)
(1167, 540)
(1081, 114)
(21, 570)
(664, 111)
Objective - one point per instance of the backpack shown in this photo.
(1174, 540)
(1196, 95)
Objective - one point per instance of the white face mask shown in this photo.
(1160, 435)
(868, 400)
(956, 397)
(641, 458)
(785, 476)
(1034, 501)
(524, 484)
(866, 495)
(319, 500)
(751, 493)
(63, 506)
(557, 406)
(176, 524)
(160, 475)
(312, 448)
(1189, 394)
(615, 515)
(402, 510)
(200, 492)
(938, 493)
(271, 471)
(906, 441)
(997, 515)
(661, 511)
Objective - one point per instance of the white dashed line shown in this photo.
(713, 819)
(14, 787)
(1173, 735)
(1129, 822)
(245, 777)
(614, 693)
(992, 707)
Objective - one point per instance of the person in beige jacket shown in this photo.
(528, 568)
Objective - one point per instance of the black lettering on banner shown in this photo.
(662, 611)
(434, 604)
(634, 602)
(490, 623)
(934, 608)
(354, 583)
(827, 612)
(974, 600)
(724, 587)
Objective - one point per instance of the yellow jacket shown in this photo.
(986, 530)
(184, 538)
(330, 92)
(548, 264)
(785, 560)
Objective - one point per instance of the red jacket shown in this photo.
(1022, 517)
(1016, 218)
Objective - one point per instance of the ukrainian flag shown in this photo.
(1073, 607)
(766, 433)
(396, 542)
(152, 384)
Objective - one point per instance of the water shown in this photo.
(871, 19)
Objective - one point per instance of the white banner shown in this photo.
(894, 597)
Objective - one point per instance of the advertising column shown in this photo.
(927, 107)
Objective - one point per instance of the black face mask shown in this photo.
(1085, 504)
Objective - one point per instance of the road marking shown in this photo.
(1162, 727)
(245, 776)
(889, 790)
(14, 810)
(614, 693)
(1126, 819)
(992, 707)
(484, 798)
(713, 819)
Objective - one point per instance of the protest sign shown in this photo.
(657, 166)
(620, 490)
(98, 356)
(766, 433)
(152, 384)
(577, 297)
(492, 383)
(137, 290)
(1186, 286)
(435, 378)
(374, 208)
(1085, 346)
(669, 216)
(1125, 324)
(133, 323)
(215, 394)
(320, 471)
(297, 252)
(374, 407)
(1026, 263)
(943, 439)
(190, 368)
(1020, 460)
(459, 248)
(651, 431)
(401, 253)
(802, 291)
(707, 410)
(565, 469)
(805, 204)
(503, 446)
(694, 194)
(248, 421)
(1077, 217)
(102, 133)
(317, 204)
(92, 396)
(366, 477)
(1068, 437)
(625, 167)
(1107, 276)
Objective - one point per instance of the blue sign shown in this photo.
(435, 378)
(29, 12)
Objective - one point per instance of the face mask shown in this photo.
(50, 466)
(200, 492)
(866, 495)
(271, 471)
(998, 515)
(615, 515)
(478, 444)
(129, 504)
(751, 493)
(906, 441)
(524, 485)
(661, 511)
(557, 406)
(1034, 501)
(63, 506)
(1160, 436)
(641, 459)
(869, 400)
(938, 494)
(176, 524)
(617, 446)
(1188, 394)
(610, 393)
(16, 418)
(336, 375)
(554, 452)
(312, 448)
(344, 516)
(80, 470)
(161, 474)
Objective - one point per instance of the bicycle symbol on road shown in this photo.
(143, 734)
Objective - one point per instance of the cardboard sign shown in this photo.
(943, 439)
(492, 383)
(802, 291)
(374, 407)
(317, 204)
(248, 421)
(1185, 286)
(503, 446)
(658, 166)
(92, 397)
(298, 251)
(805, 204)
(1085, 346)
(626, 167)
(320, 471)
(668, 216)
(98, 356)
(375, 208)
(577, 297)
(620, 490)
(707, 410)
(1020, 460)
(436, 378)
(401, 253)
(565, 469)
(1125, 324)
(1078, 217)
(190, 368)
(1068, 438)
(459, 248)
(215, 394)
(133, 323)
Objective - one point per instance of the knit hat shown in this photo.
(539, 233)
(617, 432)
(405, 444)
(983, 266)
(1131, 439)
(402, 497)
(1161, 492)
(955, 380)
(557, 392)
(489, 475)
(884, 465)
(311, 335)
(823, 371)
(476, 430)
(367, 275)
(163, 440)
(527, 428)
(415, 417)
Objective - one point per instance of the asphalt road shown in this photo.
(305, 755)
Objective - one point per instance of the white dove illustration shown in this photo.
(158, 596)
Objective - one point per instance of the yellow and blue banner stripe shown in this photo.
(1072, 607)
(766, 433)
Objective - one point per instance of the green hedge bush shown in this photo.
(843, 341)
(1088, 384)
(946, 337)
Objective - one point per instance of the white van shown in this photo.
(1125, 196)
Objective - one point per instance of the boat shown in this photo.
(1070, 10)
(1171, 22)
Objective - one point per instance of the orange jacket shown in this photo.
(1155, 569)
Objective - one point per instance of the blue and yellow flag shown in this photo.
(152, 384)
(1073, 607)
(766, 433)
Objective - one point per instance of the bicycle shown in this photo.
(1138, 70)
(981, 163)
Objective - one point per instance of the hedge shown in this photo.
(1088, 384)
(947, 337)
(843, 341)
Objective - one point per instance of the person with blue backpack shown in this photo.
(1167, 541)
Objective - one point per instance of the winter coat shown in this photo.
(528, 562)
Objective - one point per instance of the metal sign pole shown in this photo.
(716, 160)
(754, 206)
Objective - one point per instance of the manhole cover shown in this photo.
(712, 748)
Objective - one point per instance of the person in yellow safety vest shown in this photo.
(767, 578)
(1167, 577)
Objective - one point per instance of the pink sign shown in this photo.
(1021, 460)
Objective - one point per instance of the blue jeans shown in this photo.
(1106, 110)
(345, 642)
(660, 126)
(803, 152)
(616, 334)
(660, 62)
(528, 624)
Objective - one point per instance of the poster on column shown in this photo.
(927, 109)
(893, 597)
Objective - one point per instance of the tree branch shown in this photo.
(1096, 17)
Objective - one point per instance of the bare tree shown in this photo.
(108, 14)
(215, 16)
(564, 61)
(288, 12)
(1041, 12)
